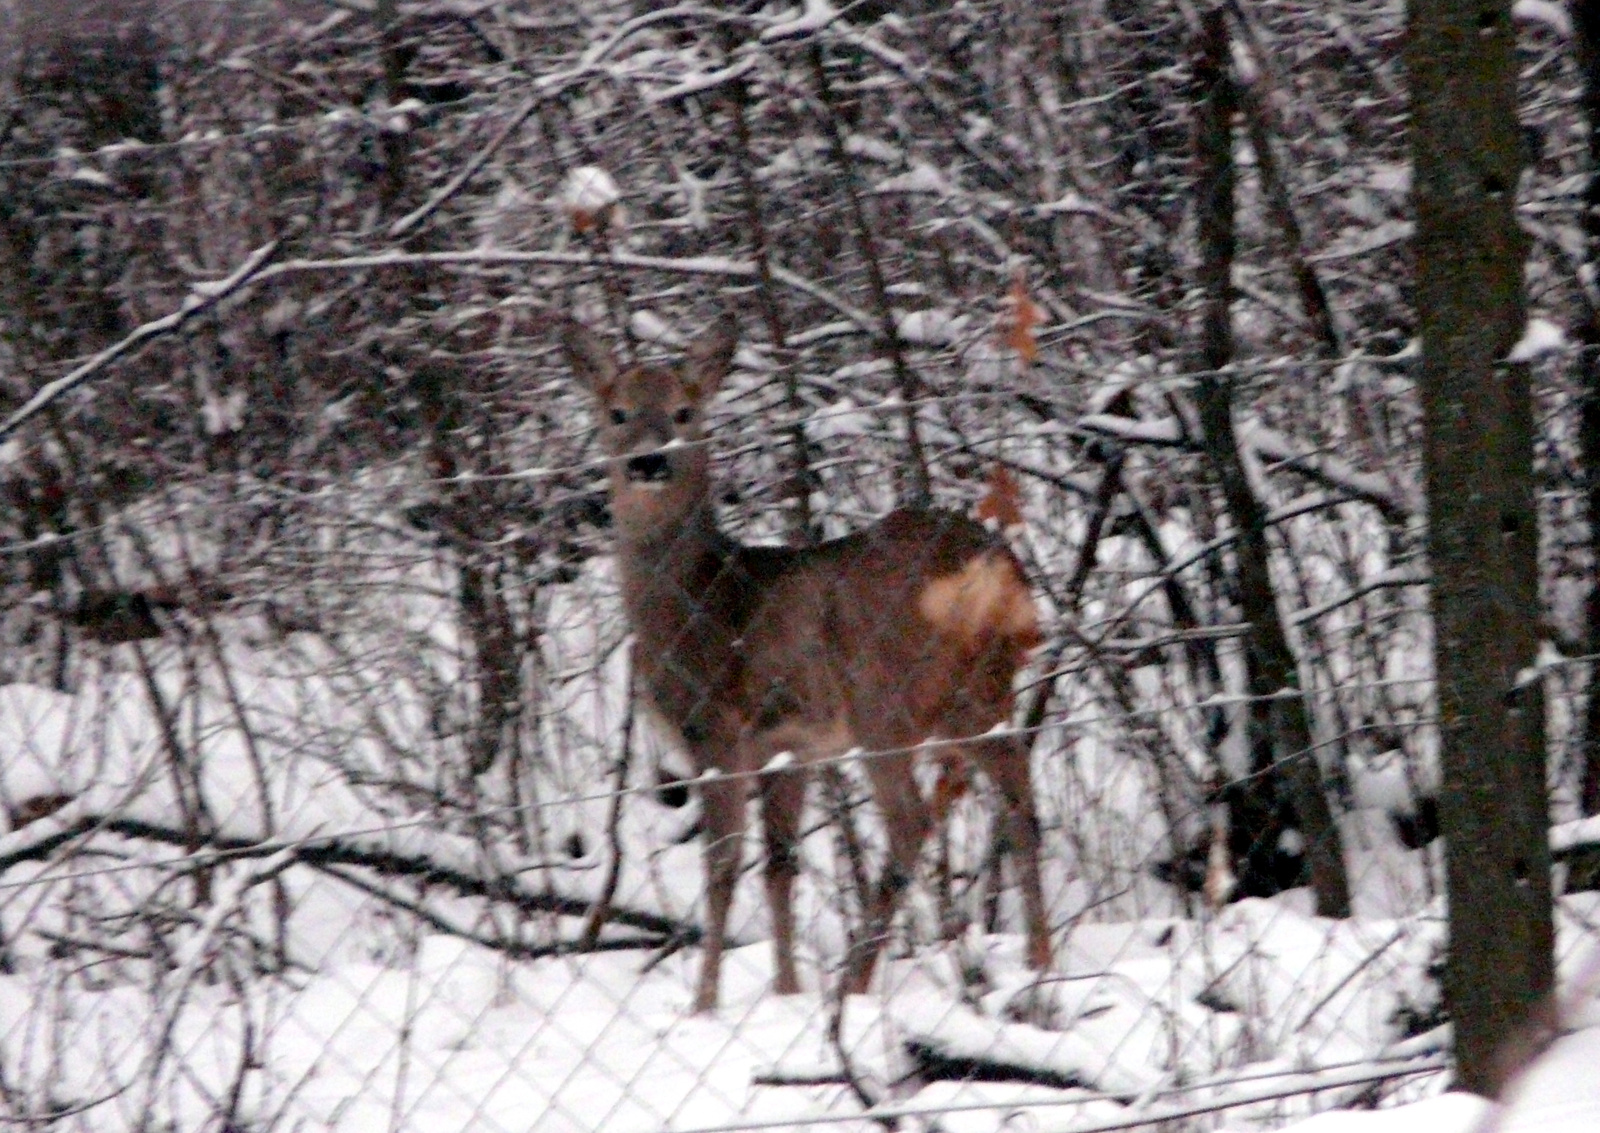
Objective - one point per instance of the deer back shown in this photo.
(909, 629)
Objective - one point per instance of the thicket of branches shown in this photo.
(357, 475)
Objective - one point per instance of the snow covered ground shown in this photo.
(293, 997)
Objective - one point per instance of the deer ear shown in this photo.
(707, 358)
(590, 358)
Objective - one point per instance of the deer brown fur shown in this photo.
(908, 631)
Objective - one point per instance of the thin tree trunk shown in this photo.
(916, 488)
(1482, 531)
(1280, 207)
(801, 478)
(1278, 710)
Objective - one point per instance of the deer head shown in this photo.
(652, 424)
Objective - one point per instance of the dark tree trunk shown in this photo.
(1482, 531)
(1278, 721)
(1588, 26)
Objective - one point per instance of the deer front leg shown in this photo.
(908, 821)
(724, 819)
(782, 796)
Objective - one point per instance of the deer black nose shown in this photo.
(651, 468)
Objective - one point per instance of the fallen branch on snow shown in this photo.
(40, 840)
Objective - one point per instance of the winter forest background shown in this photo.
(327, 803)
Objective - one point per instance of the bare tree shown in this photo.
(1284, 757)
(1482, 526)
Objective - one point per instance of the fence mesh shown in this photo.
(333, 799)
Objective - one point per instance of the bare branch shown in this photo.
(202, 297)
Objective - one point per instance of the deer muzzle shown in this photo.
(648, 468)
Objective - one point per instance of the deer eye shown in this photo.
(683, 414)
(618, 416)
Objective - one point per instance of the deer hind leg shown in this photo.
(1004, 760)
(782, 797)
(908, 820)
(723, 804)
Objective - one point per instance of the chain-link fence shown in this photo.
(335, 797)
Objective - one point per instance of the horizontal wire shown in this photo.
(1435, 1065)
(849, 759)
(260, 131)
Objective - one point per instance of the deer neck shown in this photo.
(670, 564)
(676, 590)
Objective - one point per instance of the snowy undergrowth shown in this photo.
(452, 1036)
(299, 995)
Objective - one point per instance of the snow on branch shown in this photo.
(702, 81)
(202, 297)
(813, 17)
(548, 87)
(683, 265)
(475, 163)
(1567, 838)
(1394, 500)
(955, 1041)
(724, 266)
(1397, 501)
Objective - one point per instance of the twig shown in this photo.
(800, 475)
(1100, 511)
(195, 953)
(600, 911)
(475, 163)
(836, 1040)
(496, 943)
(549, 87)
(1133, 1117)
(202, 297)
(919, 489)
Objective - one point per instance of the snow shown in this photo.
(813, 16)
(222, 413)
(1106, 1050)
(1547, 13)
(1540, 337)
(873, 149)
(589, 189)
(1167, 431)
(842, 419)
(1559, 1093)
(704, 81)
(920, 178)
(1365, 239)
(1447, 1113)
(90, 176)
(1070, 203)
(1582, 831)
(647, 326)
(933, 327)
(1261, 1009)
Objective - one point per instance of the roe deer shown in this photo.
(908, 631)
